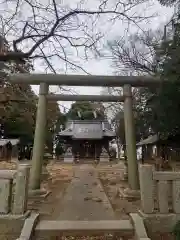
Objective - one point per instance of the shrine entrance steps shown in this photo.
(85, 160)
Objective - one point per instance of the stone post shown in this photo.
(68, 156)
(133, 177)
(147, 188)
(21, 189)
(104, 157)
(39, 138)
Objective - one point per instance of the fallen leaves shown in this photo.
(112, 181)
(10, 165)
(102, 237)
(95, 199)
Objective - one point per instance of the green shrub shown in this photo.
(176, 231)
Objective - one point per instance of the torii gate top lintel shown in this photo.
(84, 80)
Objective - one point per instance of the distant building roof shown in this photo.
(6, 140)
(82, 129)
(150, 140)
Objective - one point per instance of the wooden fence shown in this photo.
(14, 190)
(160, 191)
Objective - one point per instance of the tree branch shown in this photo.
(61, 29)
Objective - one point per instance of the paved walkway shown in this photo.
(84, 198)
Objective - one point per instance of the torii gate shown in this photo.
(44, 80)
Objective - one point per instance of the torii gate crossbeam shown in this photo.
(84, 80)
(80, 80)
(81, 98)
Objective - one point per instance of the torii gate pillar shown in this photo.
(133, 178)
(39, 138)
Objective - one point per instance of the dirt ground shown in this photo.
(56, 183)
(58, 179)
(60, 175)
(112, 180)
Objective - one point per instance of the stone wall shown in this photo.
(160, 198)
(13, 201)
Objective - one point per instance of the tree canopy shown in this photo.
(157, 109)
(18, 104)
(168, 2)
(18, 117)
(86, 111)
(165, 101)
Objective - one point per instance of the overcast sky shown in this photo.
(103, 66)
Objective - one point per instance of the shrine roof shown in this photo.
(4, 141)
(82, 129)
(150, 140)
(109, 133)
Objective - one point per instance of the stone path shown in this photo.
(84, 198)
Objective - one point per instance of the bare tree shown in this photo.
(48, 30)
(136, 54)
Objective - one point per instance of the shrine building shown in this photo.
(87, 140)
